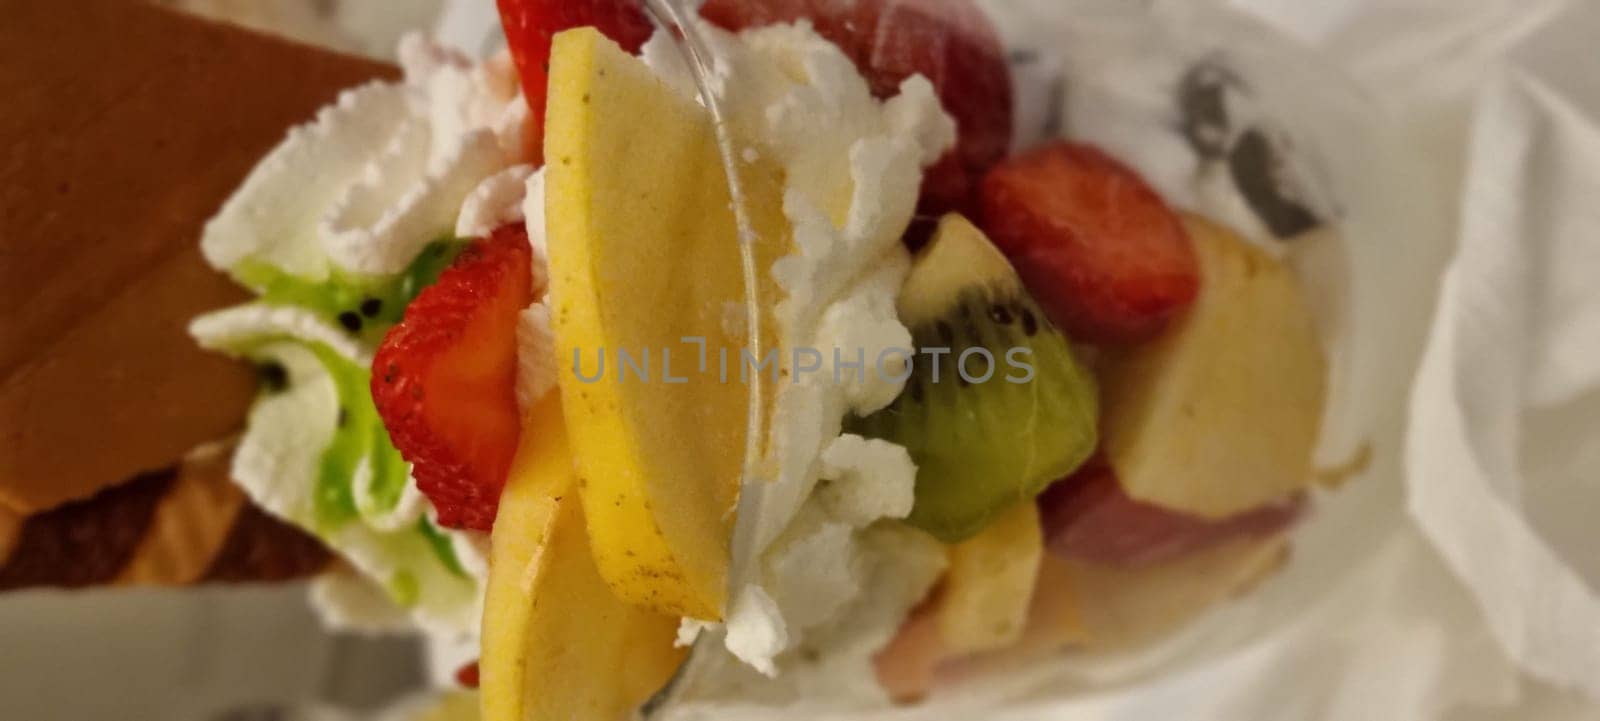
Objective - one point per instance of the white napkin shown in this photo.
(1505, 427)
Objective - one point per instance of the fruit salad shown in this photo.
(758, 336)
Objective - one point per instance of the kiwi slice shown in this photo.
(985, 432)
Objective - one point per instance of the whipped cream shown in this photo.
(497, 201)
(836, 576)
(377, 175)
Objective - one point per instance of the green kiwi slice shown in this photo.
(1002, 413)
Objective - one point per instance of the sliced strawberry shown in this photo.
(950, 42)
(444, 379)
(1097, 247)
(1088, 517)
(530, 25)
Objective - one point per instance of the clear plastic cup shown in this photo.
(1235, 122)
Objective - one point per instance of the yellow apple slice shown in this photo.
(644, 254)
(990, 581)
(557, 644)
(1220, 414)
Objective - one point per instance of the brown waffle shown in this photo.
(124, 127)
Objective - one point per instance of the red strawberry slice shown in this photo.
(444, 379)
(1088, 517)
(950, 42)
(529, 26)
(1097, 247)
